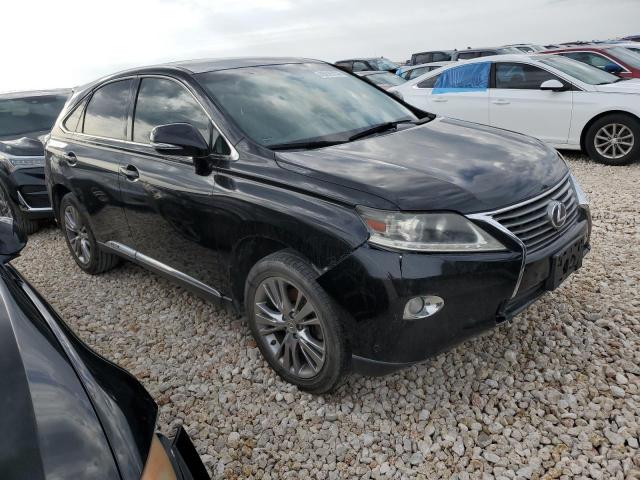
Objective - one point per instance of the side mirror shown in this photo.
(552, 85)
(613, 68)
(12, 239)
(179, 139)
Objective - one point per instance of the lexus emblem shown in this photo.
(557, 213)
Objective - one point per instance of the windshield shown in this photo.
(581, 71)
(386, 78)
(20, 116)
(383, 64)
(279, 104)
(625, 55)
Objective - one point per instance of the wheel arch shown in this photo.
(57, 192)
(585, 129)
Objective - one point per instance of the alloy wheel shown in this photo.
(290, 327)
(77, 234)
(5, 209)
(614, 141)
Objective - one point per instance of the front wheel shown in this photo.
(614, 140)
(296, 325)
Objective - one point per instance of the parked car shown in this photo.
(527, 47)
(432, 56)
(415, 71)
(24, 118)
(610, 58)
(566, 103)
(482, 52)
(384, 80)
(632, 38)
(351, 229)
(68, 413)
(367, 64)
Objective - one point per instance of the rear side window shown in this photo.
(161, 101)
(488, 53)
(521, 76)
(72, 122)
(468, 55)
(441, 57)
(429, 82)
(106, 113)
(422, 58)
(344, 65)
(466, 78)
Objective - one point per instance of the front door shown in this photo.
(517, 103)
(168, 203)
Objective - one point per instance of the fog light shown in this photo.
(422, 307)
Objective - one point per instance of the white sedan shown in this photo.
(565, 103)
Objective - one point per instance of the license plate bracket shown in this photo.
(564, 263)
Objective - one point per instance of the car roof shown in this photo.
(34, 93)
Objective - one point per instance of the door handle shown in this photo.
(130, 172)
(439, 99)
(70, 158)
(501, 102)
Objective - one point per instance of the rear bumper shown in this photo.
(184, 456)
(373, 287)
(27, 189)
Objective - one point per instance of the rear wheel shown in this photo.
(296, 325)
(8, 208)
(614, 140)
(81, 240)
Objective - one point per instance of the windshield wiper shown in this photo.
(304, 145)
(382, 127)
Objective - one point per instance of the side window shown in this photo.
(344, 65)
(161, 101)
(521, 76)
(416, 72)
(360, 67)
(466, 78)
(107, 110)
(589, 58)
(429, 82)
(72, 123)
(468, 55)
(488, 53)
(423, 58)
(441, 57)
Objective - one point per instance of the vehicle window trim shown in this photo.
(233, 156)
(624, 69)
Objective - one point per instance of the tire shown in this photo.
(84, 250)
(624, 130)
(8, 208)
(318, 322)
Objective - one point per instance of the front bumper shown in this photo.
(184, 456)
(373, 286)
(27, 189)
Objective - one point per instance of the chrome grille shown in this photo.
(529, 220)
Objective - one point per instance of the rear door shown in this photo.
(460, 92)
(167, 202)
(92, 153)
(517, 103)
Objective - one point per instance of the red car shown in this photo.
(611, 58)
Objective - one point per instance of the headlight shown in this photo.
(25, 162)
(426, 232)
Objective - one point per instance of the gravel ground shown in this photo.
(554, 395)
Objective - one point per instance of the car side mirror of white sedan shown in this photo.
(553, 85)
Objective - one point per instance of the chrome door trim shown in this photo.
(138, 257)
(29, 208)
(487, 218)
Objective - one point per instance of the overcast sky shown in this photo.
(59, 43)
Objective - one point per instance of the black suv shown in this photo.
(353, 230)
(25, 117)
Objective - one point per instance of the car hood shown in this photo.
(627, 86)
(445, 164)
(22, 147)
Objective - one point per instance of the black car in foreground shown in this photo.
(66, 412)
(25, 117)
(353, 230)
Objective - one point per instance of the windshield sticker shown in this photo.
(330, 74)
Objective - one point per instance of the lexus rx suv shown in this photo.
(352, 230)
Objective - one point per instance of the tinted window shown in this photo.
(106, 112)
(72, 123)
(488, 53)
(441, 57)
(360, 67)
(422, 58)
(416, 72)
(468, 55)
(19, 116)
(429, 82)
(593, 59)
(344, 65)
(161, 101)
(292, 103)
(521, 76)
